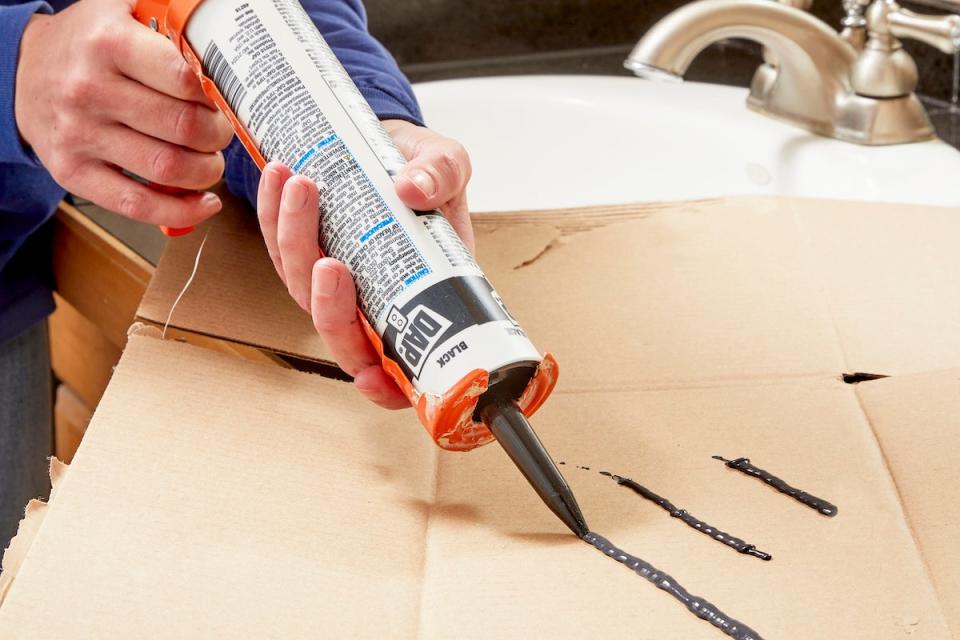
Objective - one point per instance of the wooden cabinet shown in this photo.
(99, 284)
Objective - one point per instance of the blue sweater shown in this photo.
(29, 196)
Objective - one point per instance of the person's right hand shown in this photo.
(97, 92)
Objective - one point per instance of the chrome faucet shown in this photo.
(857, 86)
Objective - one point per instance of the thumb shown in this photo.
(434, 176)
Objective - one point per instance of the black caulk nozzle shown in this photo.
(508, 424)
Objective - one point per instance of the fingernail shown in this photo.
(425, 183)
(271, 180)
(294, 195)
(325, 282)
(211, 202)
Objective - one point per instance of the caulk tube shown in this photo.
(442, 330)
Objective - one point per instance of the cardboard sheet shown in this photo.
(219, 498)
(204, 503)
(707, 292)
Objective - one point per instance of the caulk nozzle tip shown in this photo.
(521, 443)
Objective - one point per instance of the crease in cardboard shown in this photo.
(805, 232)
(815, 283)
(898, 492)
(16, 552)
(924, 465)
(425, 546)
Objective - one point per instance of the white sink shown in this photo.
(567, 141)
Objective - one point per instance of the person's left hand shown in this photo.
(435, 177)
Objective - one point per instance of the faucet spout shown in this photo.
(811, 75)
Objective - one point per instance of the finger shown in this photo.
(334, 310)
(269, 193)
(298, 230)
(438, 171)
(458, 213)
(149, 58)
(182, 122)
(109, 188)
(158, 161)
(379, 388)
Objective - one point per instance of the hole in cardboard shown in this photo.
(324, 369)
(858, 377)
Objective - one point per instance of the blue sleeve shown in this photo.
(28, 195)
(343, 24)
(13, 20)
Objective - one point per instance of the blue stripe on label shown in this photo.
(313, 151)
(380, 225)
(419, 274)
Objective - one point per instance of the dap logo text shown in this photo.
(419, 331)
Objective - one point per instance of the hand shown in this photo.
(97, 92)
(288, 207)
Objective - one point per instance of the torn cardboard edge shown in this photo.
(19, 546)
(16, 552)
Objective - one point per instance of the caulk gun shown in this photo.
(441, 330)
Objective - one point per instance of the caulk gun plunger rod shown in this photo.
(517, 437)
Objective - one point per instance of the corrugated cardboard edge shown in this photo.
(15, 554)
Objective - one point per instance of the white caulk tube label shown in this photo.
(417, 284)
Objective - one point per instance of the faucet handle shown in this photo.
(886, 18)
(884, 68)
(942, 32)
